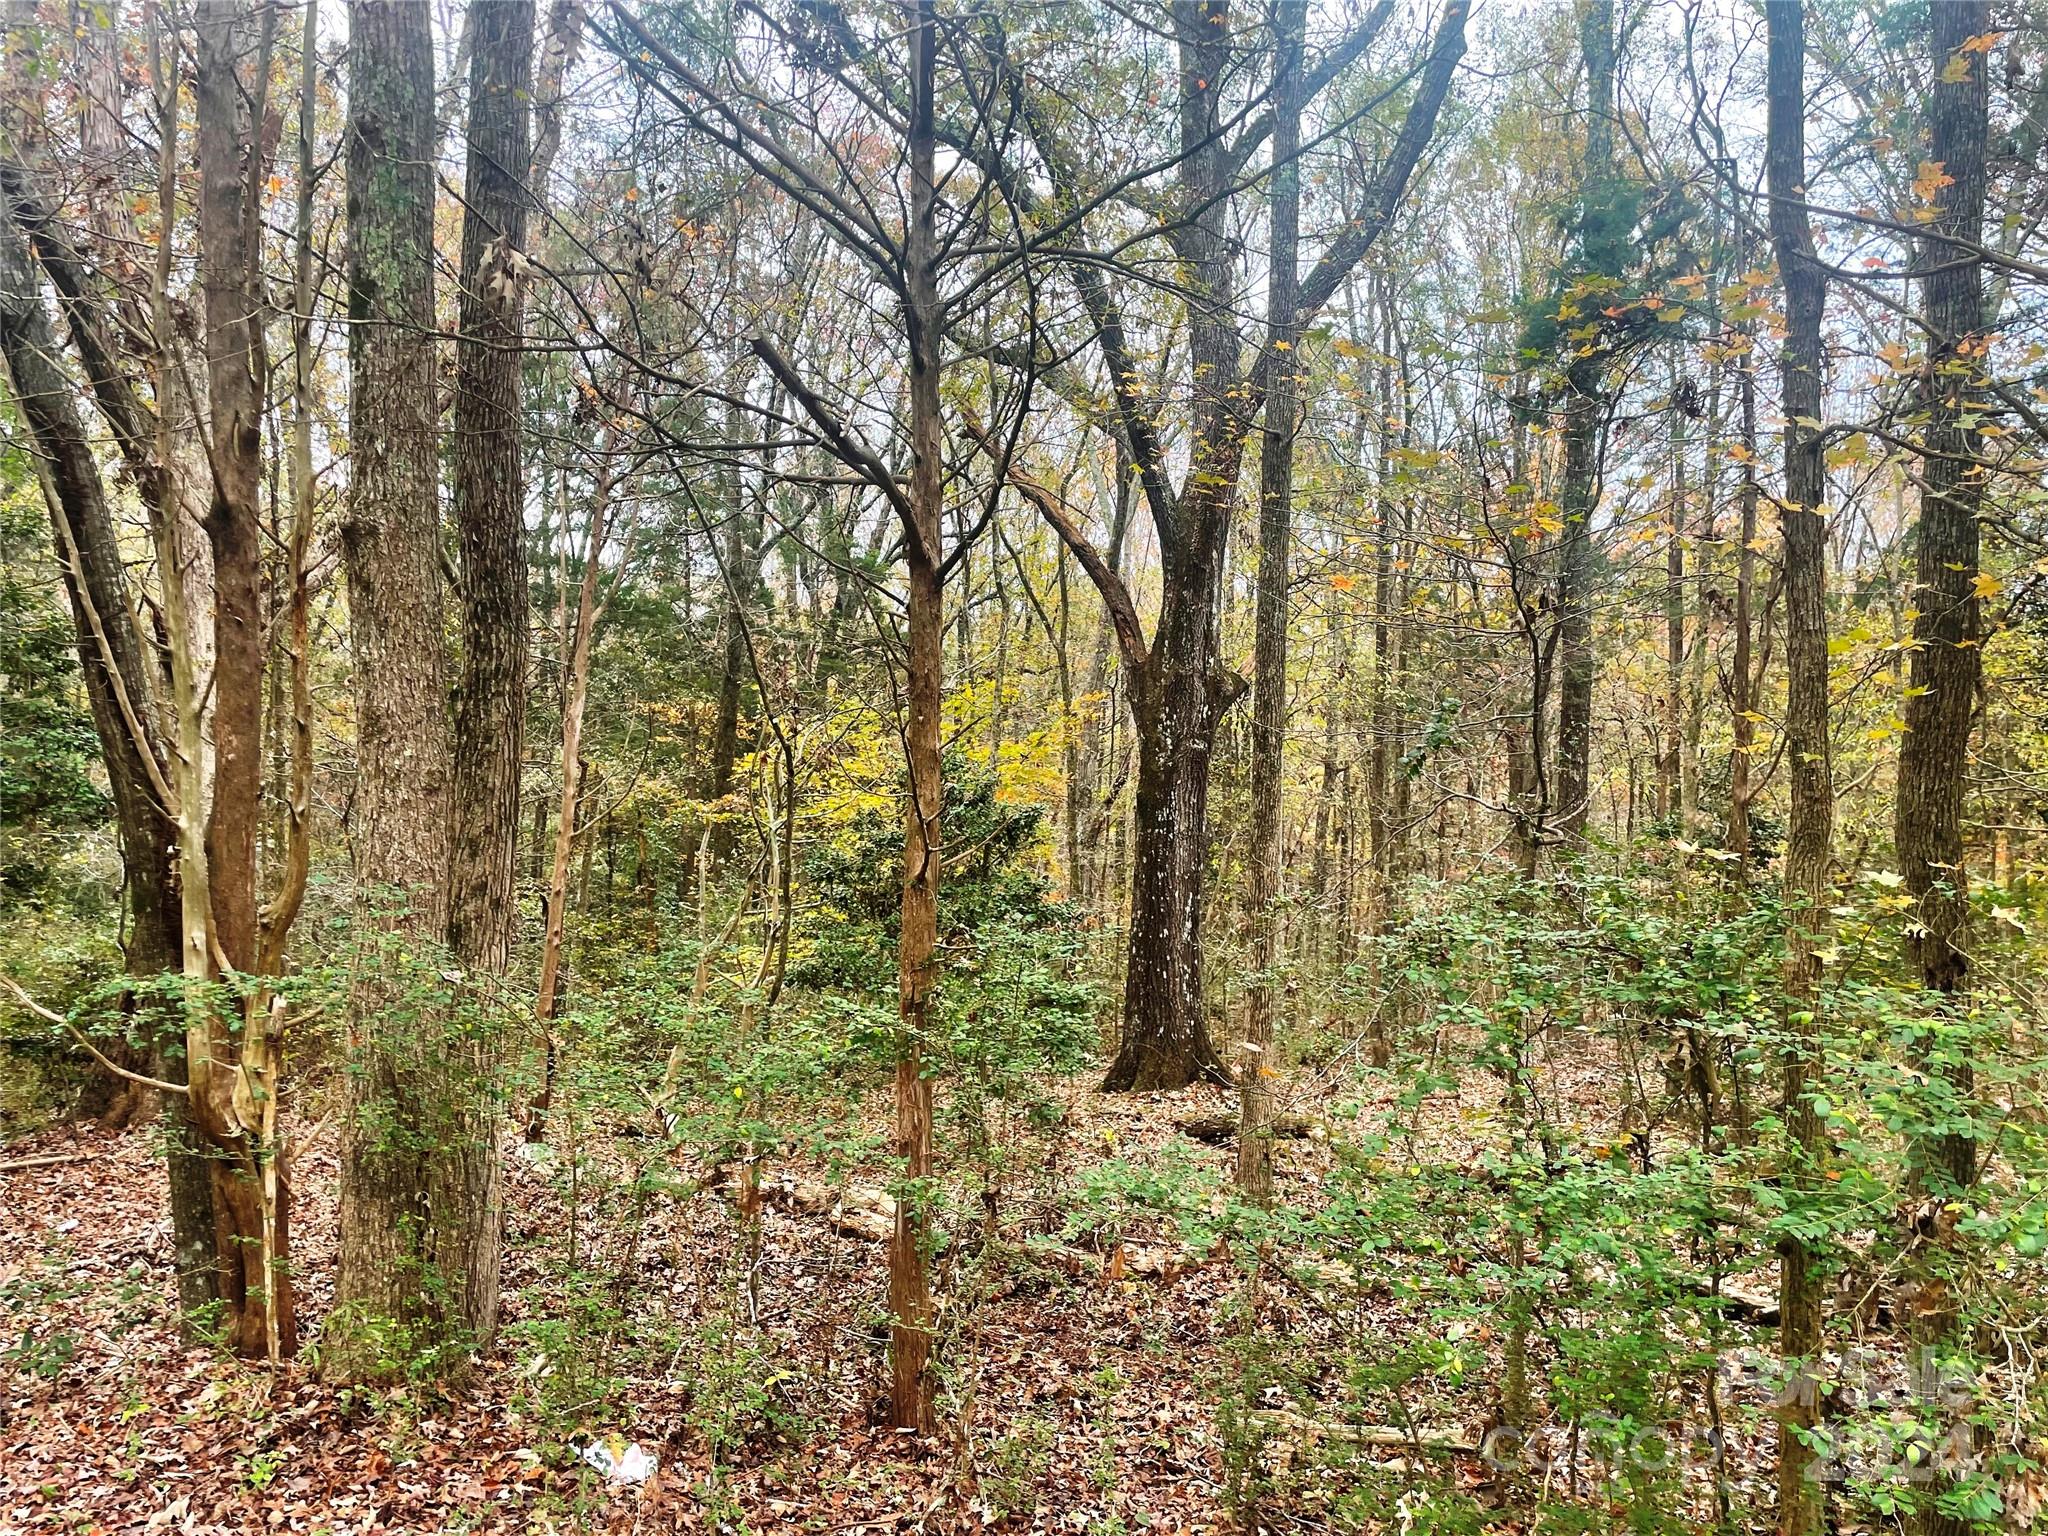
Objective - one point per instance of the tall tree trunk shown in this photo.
(415, 1135)
(910, 1300)
(1385, 798)
(741, 563)
(1810, 832)
(490, 494)
(1584, 413)
(489, 738)
(1743, 672)
(230, 89)
(1185, 689)
(1948, 630)
(1671, 755)
(1269, 668)
(575, 697)
(1177, 687)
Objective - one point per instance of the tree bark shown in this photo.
(1269, 664)
(910, 1301)
(1810, 832)
(490, 491)
(1584, 412)
(419, 1144)
(1948, 631)
(490, 530)
(230, 90)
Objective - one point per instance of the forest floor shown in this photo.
(751, 1369)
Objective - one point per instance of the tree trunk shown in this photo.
(1276, 533)
(910, 1300)
(1810, 833)
(229, 92)
(489, 738)
(575, 696)
(490, 504)
(1584, 410)
(1948, 631)
(1743, 671)
(1671, 755)
(419, 1123)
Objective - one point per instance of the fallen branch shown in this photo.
(18, 1164)
(1743, 1303)
(1450, 1442)
(1222, 1127)
(870, 1214)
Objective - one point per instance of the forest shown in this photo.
(1095, 766)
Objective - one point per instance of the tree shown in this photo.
(1269, 664)
(1948, 632)
(1606, 217)
(96, 585)
(417, 1142)
(489, 479)
(233, 1068)
(1809, 845)
(489, 735)
(908, 262)
(1177, 685)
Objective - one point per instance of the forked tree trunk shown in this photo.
(1810, 832)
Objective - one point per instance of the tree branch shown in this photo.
(842, 441)
(1123, 613)
(92, 1050)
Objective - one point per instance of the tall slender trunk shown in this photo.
(490, 495)
(1386, 790)
(1671, 755)
(575, 695)
(229, 90)
(1584, 413)
(1810, 833)
(742, 567)
(1269, 682)
(489, 738)
(910, 1300)
(1948, 630)
(1742, 679)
